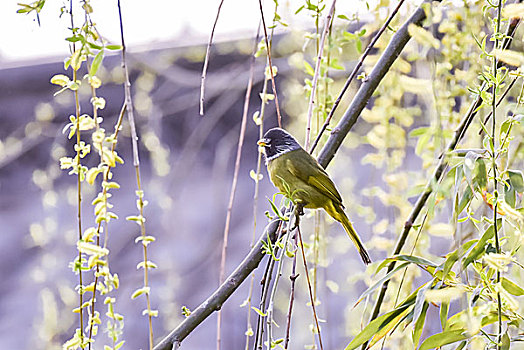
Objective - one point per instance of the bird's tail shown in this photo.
(341, 217)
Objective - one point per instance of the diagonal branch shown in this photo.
(217, 299)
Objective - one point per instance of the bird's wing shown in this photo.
(308, 170)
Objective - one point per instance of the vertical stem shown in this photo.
(494, 165)
(136, 164)
(146, 268)
(314, 84)
(79, 188)
(309, 286)
(79, 212)
(268, 49)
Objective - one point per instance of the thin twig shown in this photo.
(217, 299)
(311, 103)
(127, 93)
(268, 50)
(234, 185)
(206, 60)
(265, 283)
(79, 188)
(494, 166)
(249, 328)
(501, 98)
(309, 287)
(293, 279)
(354, 73)
(136, 164)
(278, 274)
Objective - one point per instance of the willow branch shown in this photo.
(314, 83)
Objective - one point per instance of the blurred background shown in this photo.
(187, 164)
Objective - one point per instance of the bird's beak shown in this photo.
(263, 142)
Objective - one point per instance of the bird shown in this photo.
(293, 170)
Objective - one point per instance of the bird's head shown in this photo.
(276, 142)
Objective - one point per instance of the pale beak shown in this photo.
(263, 142)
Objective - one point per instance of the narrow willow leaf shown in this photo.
(444, 338)
(382, 321)
(511, 287)
(443, 314)
(407, 258)
(479, 248)
(380, 282)
(97, 61)
(419, 324)
(379, 335)
(139, 292)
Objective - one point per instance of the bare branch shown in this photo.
(314, 84)
(206, 60)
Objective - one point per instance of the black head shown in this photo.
(276, 142)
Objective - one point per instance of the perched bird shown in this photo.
(293, 169)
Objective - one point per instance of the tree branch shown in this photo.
(217, 299)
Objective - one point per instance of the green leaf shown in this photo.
(376, 325)
(479, 248)
(444, 309)
(419, 324)
(467, 196)
(97, 61)
(444, 338)
(387, 277)
(114, 47)
(258, 311)
(383, 321)
(418, 131)
(407, 258)
(516, 180)
(511, 287)
(139, 292)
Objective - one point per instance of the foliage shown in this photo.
(461, 260)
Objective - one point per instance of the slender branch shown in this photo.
(278, 274)
(234, 184)
(268, 49)
(293, 279)
(249, 328)
(79, 188)
(494, 165)
(354, 73)
(501, 98)
(309, 286)
(314, 84)
(206, 60)
(127, 93)
(217, 299)
(136, 164)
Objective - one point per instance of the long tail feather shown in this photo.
(338, 214)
